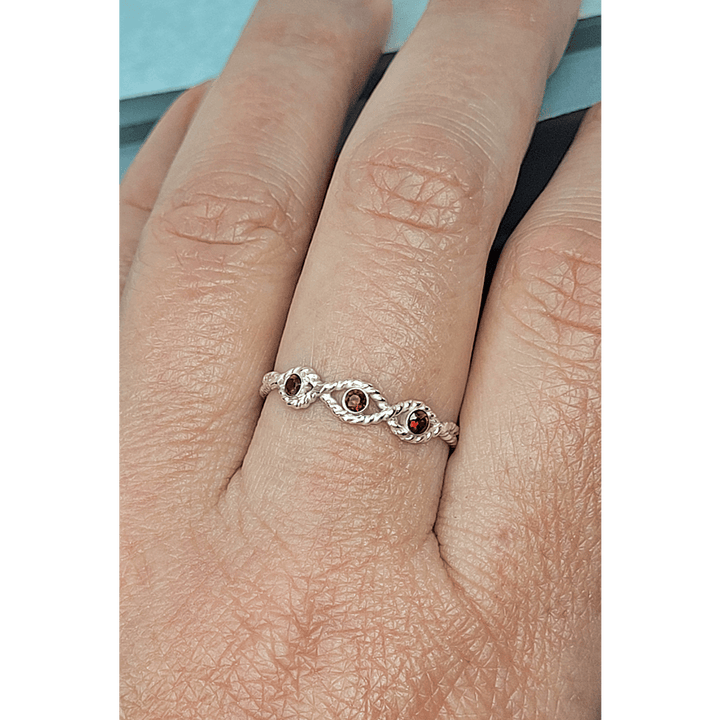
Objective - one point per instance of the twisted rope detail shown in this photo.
(308, 386)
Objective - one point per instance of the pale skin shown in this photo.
(283, 564)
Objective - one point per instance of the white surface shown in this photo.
(172, 44)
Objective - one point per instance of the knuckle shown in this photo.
(570, 217)
(419, 183)
(223, 226)
(552, 292)
(229, 209)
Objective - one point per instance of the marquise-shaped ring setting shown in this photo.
(352, 401)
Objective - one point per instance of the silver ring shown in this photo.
(412, 421)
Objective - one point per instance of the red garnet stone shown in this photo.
(292, 385)
(418, 422)
(355, 400)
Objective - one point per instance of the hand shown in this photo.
(284, 564)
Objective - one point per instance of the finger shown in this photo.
(519, 520)
(213, 275)
(391, 288)
(141, 184)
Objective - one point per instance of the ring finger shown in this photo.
(391, 287)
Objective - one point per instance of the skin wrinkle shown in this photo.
(177, 346)
(541, 533)
(408, 184)
(264, 140)
(259, 161)
(400, 182)
(435, 276)
(261, 123)
(395, 329)
(188, 368)
(426, 195)
(571, 213)
(476, 138)
(222, 208)
(264, 602)
(582, 229)
(553, 298)
(362, 634)
(481, 136)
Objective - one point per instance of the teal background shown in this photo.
(172, 44)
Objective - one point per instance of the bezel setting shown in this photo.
(305, 393)
(400, 424)
(347, 400)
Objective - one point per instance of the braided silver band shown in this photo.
(412, 420)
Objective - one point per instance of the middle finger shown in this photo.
(391, 287)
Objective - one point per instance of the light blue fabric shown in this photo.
(172, 44)
(574, 85)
